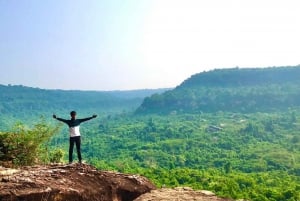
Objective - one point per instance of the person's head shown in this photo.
(73, 114)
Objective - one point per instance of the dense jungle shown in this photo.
(235, 132)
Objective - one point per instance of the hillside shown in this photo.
(234, 90)
(27, 103)
(236, 77)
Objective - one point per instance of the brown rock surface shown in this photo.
(179, 194)
(85, 183)
(70, 182)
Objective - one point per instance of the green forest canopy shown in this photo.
(231, 133)
(233, 90)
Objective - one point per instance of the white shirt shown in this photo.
(74, 131)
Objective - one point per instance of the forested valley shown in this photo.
(234, 131)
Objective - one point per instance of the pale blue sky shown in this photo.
(138, 44)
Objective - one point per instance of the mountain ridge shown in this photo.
(234, 77)
(235, 90)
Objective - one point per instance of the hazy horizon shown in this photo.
(137, 89)
(113, 90)
(138, 44)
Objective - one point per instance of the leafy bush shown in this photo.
(23, 145)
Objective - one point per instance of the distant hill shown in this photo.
(21, 102)
(236, 77)
(235, 89)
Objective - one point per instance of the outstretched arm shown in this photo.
(59, 119)
(89, 118)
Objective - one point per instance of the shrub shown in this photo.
(22, 145)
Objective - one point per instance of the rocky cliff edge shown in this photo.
(85, 183)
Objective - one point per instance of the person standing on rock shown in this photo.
(73, 124)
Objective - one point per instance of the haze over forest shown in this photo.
(204, 94)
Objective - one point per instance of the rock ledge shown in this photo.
(85, 183)
(70, 182)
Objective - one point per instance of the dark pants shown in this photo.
(75, 140)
